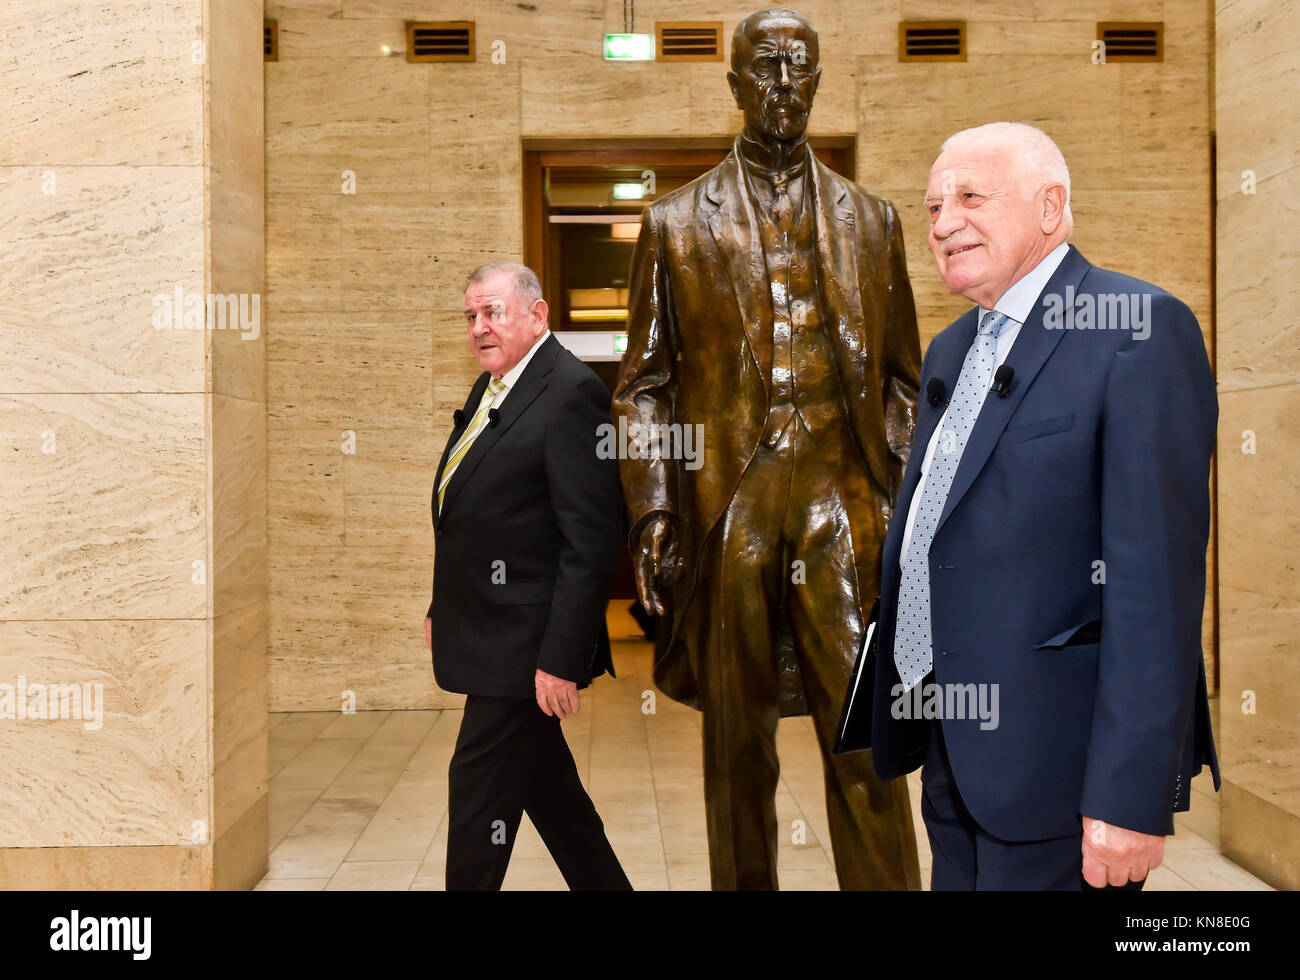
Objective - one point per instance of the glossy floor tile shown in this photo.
(360, 801)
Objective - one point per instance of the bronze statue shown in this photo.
(770, 306)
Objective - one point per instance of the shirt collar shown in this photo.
(511, 376)
(1019, 301)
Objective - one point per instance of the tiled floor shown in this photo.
(359, 801)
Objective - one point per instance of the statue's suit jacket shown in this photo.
(700, 352)
(1067, 570)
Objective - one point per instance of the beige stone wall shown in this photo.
(363, 289)
(1258, 80)
(132, 492)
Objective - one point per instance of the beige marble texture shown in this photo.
(1255, 76)
(91, 253)
(1259, 509)
(120, 87)
(305, 487)
(570, 95)
(354, 371)
(347, 37)
(239, 522)
(533, 31)
(303, 256)
(235, 185)
(135, 486)
(388, 478)
(240, 692)
(372, 119)
(124, 868)
(111, 523)
(1258, 308)
(138, 774)
(1261, 837)
(239, 856)
(1260, 591)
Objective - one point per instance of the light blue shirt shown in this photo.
(1016, 304)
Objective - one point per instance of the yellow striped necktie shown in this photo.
(476, 424)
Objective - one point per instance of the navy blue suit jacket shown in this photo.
(1099, 453)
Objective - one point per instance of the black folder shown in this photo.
(854, 731)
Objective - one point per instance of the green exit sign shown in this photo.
(620, 343)
(629, 47)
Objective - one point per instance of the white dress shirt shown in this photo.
(1016, 304)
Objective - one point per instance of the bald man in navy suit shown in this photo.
(1043, 578)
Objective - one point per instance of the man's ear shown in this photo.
(1053, 208)
(540, 312)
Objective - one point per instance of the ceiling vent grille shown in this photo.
(1135, 41)
(270, 40)
(448, 40)
(932, 40)
(679, 40)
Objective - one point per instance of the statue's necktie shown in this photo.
(782, 207)
(913, 652)
(476, 424)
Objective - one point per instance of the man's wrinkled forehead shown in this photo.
(770, 33)
(976, 167)
(489, 295)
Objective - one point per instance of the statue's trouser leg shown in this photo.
(870, 821)
(730, 622)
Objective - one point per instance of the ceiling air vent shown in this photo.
(448, 40)
(270, 40)
(679, 40)
(932, 40)
(1136, 41)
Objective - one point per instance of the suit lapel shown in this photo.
(466, 413)
(1034, 345)
(525, 391)
(837, 253)
(735, 234)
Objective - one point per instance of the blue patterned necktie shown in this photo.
(913, 653)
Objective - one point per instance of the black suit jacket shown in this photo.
(527, 539)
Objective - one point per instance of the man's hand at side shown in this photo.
(555, 695)
(1116, 855)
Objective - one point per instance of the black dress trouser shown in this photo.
(511, 757)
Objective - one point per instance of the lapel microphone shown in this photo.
(1002, 380)
(934, 391)
(494, 416)
(458, 418)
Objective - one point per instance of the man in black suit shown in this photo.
(527, 520)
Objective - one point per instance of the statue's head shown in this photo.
(774, 73)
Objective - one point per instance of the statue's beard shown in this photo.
(788, 124)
